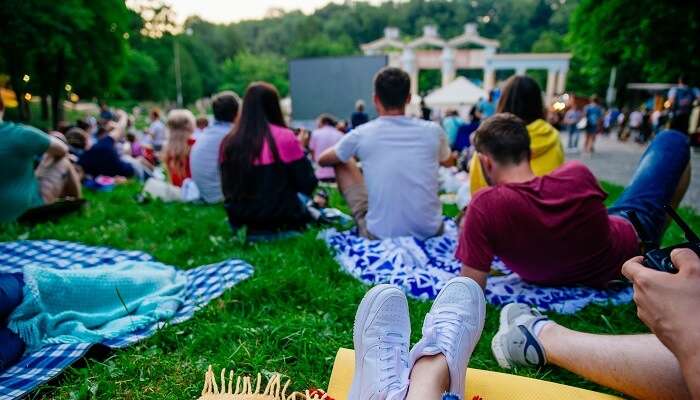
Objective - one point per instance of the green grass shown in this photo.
(290, 317)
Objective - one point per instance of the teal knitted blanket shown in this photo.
(94, 304)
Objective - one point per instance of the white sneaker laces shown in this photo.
(393, 360)
(442, 330)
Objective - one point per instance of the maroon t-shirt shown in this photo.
(552, 230)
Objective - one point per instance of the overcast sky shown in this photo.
(236, 10)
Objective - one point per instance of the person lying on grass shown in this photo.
(436, 367)
(264, 168)
(662, 365)
(21, 185)
(555, 230)
(396, 192)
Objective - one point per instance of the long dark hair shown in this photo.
(522, 96)
(244, 144)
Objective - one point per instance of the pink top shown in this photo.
(288, 147)
(321, 139)
(552, 230)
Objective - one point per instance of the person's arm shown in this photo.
(668, 304)
(444, 152)
(477, 275)
(474, 247)
(344, 150)
(57, 148)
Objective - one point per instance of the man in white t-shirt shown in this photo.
(396, 193)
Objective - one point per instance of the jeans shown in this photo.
(655, 182)
(11, 346)
(574, 134)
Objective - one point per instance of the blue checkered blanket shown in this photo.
(203, 284)
(421, 269)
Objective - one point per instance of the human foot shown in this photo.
(381, 337)
(453, 327)
(516, 341)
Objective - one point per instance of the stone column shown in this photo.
(561, 81)
(408, 62)
(448, 65)
(551, 83)
(520, 71)
(489, 78)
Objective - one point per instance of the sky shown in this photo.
(222, 11)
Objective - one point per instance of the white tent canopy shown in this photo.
(459, 92)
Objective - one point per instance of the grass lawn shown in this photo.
(290, 317)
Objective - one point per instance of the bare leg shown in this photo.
(430, 378)
(72, 187)
(637, 365)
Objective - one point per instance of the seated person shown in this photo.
(661, 365)
(396, 193)
(156, 130)
(176, 153)
(264, 169)
(11, 346)
(359, 116)
(21, 185)
(436, 367)
(554, 229)
(323, 138)
(102, 157)
(204, 158)
(522, 96)
(451, 124)
(202, 123)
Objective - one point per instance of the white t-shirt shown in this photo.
(157, 131)
(400, 159)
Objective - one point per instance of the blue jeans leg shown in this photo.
(655, 182)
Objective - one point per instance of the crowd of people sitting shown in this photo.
(544, 217)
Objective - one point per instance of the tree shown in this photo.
(240, 71)
(645, 41)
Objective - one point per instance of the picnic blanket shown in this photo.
(421, 269)
(203, 284)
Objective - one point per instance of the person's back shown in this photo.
(322, 139)
(103, 159)
(594, 113)
(206, 152)
(266, 198)
(400, 158)
(204, 161)
(451, 125)
(551, 230)
(20, 147)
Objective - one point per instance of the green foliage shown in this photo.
(291, 316)
(647, 41)
(237, 73)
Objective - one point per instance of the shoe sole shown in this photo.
(496, 343)
(360, 321)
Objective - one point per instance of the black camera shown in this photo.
(660, 259)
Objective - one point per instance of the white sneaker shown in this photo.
(453, 327)
(381, 337)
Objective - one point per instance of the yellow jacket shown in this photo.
(547, 154)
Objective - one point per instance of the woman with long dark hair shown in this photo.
(264, 168)
(522, 96)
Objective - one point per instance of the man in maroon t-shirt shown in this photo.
(555, 230)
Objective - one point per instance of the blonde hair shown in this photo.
(180, 126)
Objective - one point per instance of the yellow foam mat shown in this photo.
(486, 385)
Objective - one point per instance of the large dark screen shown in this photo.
(332, 85)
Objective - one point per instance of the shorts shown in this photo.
(358, 200)
(655, 183)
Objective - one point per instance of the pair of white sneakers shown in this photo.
(382, 336)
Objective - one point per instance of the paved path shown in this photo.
(616, 162)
